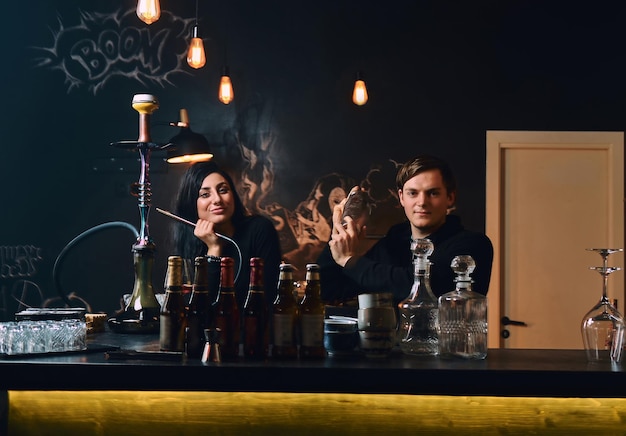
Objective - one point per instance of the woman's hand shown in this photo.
(345, 238)
(206, 233)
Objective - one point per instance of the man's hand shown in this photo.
(346, 237)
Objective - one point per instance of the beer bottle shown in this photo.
(284, 316)
(215, 273)
(199, 309)
(188, 278)
(172, 314)
(255, 314)
(226, 311)
(312, 316)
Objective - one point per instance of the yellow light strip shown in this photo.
(125, 412)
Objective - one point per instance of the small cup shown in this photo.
(341, 338)
(15, 338)
(383, 299)
(34, 340)
(376, 344)
(377, 318)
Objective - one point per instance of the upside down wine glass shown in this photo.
(603, 326)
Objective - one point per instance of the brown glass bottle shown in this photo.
(255, 315)
(172, 315)
(226, 315)
(284, 316)
(199, 309)
(312, 316)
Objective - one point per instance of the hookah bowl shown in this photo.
(141, 313)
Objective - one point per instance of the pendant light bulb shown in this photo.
(148, 11)
(359, 95)
(196, 58)
(226, 93)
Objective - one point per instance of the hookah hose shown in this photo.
(58, 263)
(226, 238)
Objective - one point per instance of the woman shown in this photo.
(207, 196)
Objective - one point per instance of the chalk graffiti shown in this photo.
(104, 46)
(22, 294)
(18, 261)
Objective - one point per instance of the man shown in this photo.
(427, 192)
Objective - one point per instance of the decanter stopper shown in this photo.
(422, 249)
(463, 266)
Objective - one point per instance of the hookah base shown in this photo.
(122, 324)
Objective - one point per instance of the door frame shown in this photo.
(496, 144)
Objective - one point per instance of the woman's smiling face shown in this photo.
(216, 201)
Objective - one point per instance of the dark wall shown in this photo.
(439, 75)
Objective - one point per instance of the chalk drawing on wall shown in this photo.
(17, 289)
(103, 46)
(304, 230)
(19, 261)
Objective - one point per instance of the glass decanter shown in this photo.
(419, 312)
(463, 315)
(603, 326)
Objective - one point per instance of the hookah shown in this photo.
(141, 313)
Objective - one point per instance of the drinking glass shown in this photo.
(55, 336)
(15, 338)
(603, 326)
(33, 337)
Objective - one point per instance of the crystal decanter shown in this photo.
(419, 312)
(463, 315)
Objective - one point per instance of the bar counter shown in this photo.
(510, 392)
(505, 372)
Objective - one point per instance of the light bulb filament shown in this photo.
(359, 95)
(196, 58)
(226, 93)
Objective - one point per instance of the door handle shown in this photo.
(507, 321)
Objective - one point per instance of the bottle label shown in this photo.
(312, 330)
(283, 330)
(171, 334)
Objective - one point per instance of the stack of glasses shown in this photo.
(42, 336)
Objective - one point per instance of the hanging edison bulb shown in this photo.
(148, 11)
(359, 95)
(226, 93)
(196, 58)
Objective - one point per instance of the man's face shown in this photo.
(425, 200)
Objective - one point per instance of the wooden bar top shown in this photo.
(505, 372)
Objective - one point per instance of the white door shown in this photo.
(550, 196)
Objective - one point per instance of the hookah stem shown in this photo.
(144, 105)
(144, 191)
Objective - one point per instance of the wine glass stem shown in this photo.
(605, 275)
